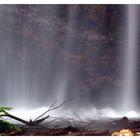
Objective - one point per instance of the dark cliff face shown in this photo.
(86, 38)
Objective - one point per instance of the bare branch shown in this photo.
(52, 104)
(29, 123)
(51, 108)
(77, 116)
(15, 118)
(48, 109)
(38, 119)
(52, 121)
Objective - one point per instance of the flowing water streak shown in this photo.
(130, 60)
(62, 87)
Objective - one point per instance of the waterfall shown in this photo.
(130, 60)
(49, 52)
(37, 76)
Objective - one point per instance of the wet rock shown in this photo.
(124, 120)
(123, 123)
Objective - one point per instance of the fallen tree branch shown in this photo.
(29, 123)
(77, 116)
(38, 119)
(15, 118)
(51, 108)
(52, 121)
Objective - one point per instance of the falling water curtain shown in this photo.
(85, 53)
